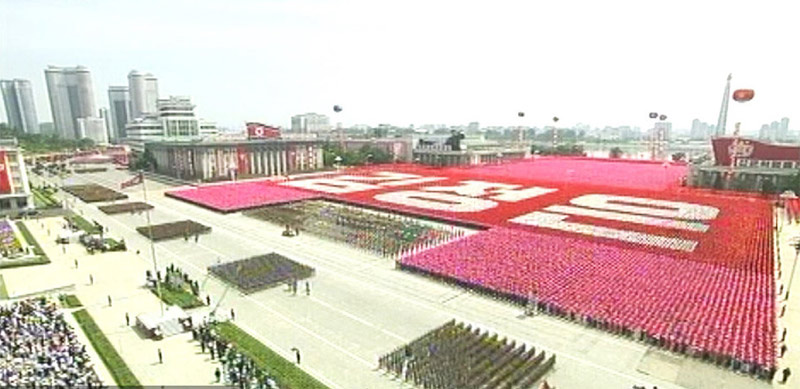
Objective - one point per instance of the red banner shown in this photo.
(5, 178)
(242, 160)
(262, 131)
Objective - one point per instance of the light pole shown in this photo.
(791, 276)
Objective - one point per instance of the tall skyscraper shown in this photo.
(71, 98)
(119, 101)
(143, 90)
(784, 128)
(20, 109)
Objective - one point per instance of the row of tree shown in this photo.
(365, 155)
(43, 143)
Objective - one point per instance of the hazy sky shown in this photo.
(604, 62)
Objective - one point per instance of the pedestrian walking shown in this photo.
(109, 300)
(294, 287)
(233, 316)
(127, 319)
(76, 261)
(296, 354)
(783, 350)
(211, 350)
(91, 280)
(208, 299)
(783, 337)
(217, 373)
(160, 357)
(203, 345)
(308, 289)
(196, 238)
(786, 374)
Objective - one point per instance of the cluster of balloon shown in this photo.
(521, 114)
(662, 117)
(337, 108)
(653, 115)
(743, 95)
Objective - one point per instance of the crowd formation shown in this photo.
(38, 348)
(381, 233)
(237, 369)
(455, 356)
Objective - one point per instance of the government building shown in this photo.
(225, 160)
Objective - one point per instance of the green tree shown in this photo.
(679, 156)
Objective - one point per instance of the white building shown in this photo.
(175, 120)
(20, 108)
(310, 122)
(71, 97)
(15, 191)
(119, 101)
(93, 128)
(143, 89)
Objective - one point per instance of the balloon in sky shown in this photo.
(337, 108)
(662, 117)
(743, 95)
(555, 118)
(521, 114)
(653, 115)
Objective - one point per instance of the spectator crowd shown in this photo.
(38, 348)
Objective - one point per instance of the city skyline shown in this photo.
(269, 61)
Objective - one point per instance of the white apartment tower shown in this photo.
(20, 109)
(119, 101)
(143, 89)
(71, 98)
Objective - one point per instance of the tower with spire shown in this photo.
(723, 110)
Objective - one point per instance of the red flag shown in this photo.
(5, 177)
(136, 180)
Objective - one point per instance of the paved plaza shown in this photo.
(360, 307)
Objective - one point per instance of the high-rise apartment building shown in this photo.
(93, 128)
(119, 101)
(71, 98)
(143, 89)
(20, 109)
(701, 130)
(310, 122)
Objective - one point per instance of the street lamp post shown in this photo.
(794, 265)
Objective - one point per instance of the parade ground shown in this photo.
(359, 308)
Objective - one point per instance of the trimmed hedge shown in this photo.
(116, 366)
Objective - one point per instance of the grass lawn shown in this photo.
(44, 198)
(3, 291)
(286, 373)
(83, 224)
(181, 298)
(71, 301)
(116, 366)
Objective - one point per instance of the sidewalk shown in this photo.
(791, 319)
(120, 275)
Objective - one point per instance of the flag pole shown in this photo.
(152, 245)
